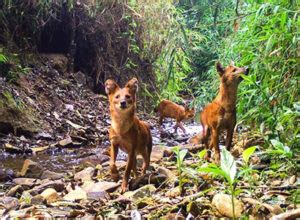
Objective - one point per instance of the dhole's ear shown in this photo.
(110, 86)
(132, 85)
(220, 68)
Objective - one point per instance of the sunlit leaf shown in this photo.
(228, 164)
(247, 153)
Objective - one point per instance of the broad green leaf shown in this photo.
(247, 153)
(228, 164)
(202, 153)
(182, 154)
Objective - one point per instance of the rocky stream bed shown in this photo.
(58, 167)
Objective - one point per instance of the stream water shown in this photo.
(64, 159)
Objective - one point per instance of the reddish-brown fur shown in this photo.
(168, 109)
(220, 114)
(127, 131)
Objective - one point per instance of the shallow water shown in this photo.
(64, 159)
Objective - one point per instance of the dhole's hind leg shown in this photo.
(160, 121)
(134, 167)
(146, 162)
(113, 156)
(181, 127)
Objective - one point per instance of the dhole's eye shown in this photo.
(127, 96)
(117, 96)
(234, 69)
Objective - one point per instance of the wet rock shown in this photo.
(6, 174)
(9, 202)
(85, 174)
(50, 195)
(58, 185)
(77, 194)
(223, 204)
(47, 174)
(94, 160)
(140, 193)
(31, 169)
(100, 186)
(15, 191)
(29, 182)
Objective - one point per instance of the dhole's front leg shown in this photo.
(229, 134)
(215, 144)
(130, 162)
(113, 156)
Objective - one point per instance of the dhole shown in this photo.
(220, 114)
(127, 131)
(170, 109)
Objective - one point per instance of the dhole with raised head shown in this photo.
(168, 109)
(127, 132)
(220, 114)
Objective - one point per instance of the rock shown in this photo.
(6, 174)
(15, 191)
(292, 180)
(38, 149)
(21, 214)
(77, 194)
(223, 204)
(142, 192)
(173, 216)
(9, 202)
(96, 194)
(44, 135)
(150, 178)
(31, 169)
(50, 195)
(290, 214)
(65, 142)
(47, 174)
(24, 181)
(85, 174)
(58, 61)
(100, 186)
(276, 183)
(168, 173)
(37, 200)
(158, 153)
(174, 192)
(12, 149)
(58, 185)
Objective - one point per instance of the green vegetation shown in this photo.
(262, 35)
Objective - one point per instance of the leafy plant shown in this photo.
(227, 171)
(180, 155)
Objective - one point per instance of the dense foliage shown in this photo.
(263, 36)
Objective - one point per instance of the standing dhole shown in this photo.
(220, 114)
(127, 131)
(170, 109)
